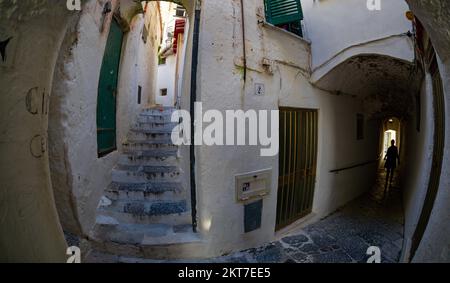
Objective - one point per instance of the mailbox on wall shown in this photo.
(254, 185)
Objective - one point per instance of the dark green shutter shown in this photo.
(283, 11)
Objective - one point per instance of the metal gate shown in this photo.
(297, 164)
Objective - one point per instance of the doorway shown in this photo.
(297, 164)
(107, 91)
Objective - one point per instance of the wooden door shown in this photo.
(107, 91)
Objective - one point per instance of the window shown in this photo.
(286, 14)
(144, 34)
(180, 11)
(161, 60)
(418, 112)
(139, 95)
(163, 92)
(359, 126)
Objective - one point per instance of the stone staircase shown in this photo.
(144, 212)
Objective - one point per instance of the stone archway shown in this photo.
(30, 229)
(30, 226)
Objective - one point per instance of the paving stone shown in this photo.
(325, 249)
(332, 257)
(272, 253)
(342, 237)
(301, 257)
(321, 238)
(295, 241)
(373, 238)
(310, 249)
(335, 247)
(355, 247)
(391, 252)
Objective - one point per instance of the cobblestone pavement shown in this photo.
(343, 237)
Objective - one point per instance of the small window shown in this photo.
(418, 112)
(359, 126)
(161, 60)
(180, 11)
(287, 14)
(145, 34)
(139, 94)
(163, 92)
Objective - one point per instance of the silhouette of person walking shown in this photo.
(391, 162)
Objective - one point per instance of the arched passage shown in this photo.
(28, 202)
(85, 77)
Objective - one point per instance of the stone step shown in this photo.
(160, 168)
(157, 111)
(142, 196)
(163, 140)
(150, 131)
(147, 188)
(125, 176)
(152, 152)
(139, 160)
(161, 118)
(146, 208)
(157, 241)
(141, 146)
(123, 217)
(154, 125)
(168, 191)
(140, 136)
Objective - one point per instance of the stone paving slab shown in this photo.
(343, 237)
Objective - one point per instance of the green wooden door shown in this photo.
(107, 90)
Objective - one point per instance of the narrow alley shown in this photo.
(227, 131)
(343, 237)
(374, 219)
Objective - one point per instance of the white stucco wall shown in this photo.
(166, 80)
(435, 244)
(221, 217)
(29, 225)
(138, 68)
(418, 161)
(436, 241)
(335, 25)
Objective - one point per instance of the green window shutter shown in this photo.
(283, 11)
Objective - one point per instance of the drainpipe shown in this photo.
(244, 49)
(194, 70)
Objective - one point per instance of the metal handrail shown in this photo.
(355, 166)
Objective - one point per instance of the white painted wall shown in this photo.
(435, 244)
(29, 226)
(167, 73)
(221, 217)
(335, 25)
(166, 80)
(418, 161)
(436, 241)
(138, 68)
